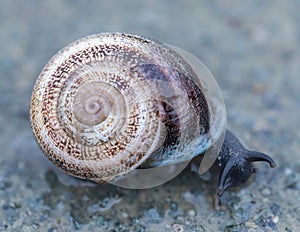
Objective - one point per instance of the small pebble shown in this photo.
(85, 198)
(136, 220)
(173, 206)
(188, 221)
(288, 171)
(266, 192)
(152, 215)
(192, 213)
(272, 221)
(178, 227)
(275, 208)
(180, 219)
(251, 225)
(275, 219)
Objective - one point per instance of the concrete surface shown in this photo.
(253, 50)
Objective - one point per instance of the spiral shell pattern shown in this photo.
(109, 103)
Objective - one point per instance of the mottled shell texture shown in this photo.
(109, 103)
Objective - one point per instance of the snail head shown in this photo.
(236, 163)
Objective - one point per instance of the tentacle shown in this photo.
(254, 156)
(225, 178)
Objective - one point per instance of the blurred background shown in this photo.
(252, 50)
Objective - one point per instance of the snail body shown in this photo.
(110, 103)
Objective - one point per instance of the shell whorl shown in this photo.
(109, 103)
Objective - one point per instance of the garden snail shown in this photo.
(111, 103)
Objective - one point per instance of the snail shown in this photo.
(111, 103)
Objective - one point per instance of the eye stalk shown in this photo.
(236, 161)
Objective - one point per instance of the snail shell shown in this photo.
(110, 103)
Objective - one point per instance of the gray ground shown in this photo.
(253, 50)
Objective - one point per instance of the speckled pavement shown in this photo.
(253, 50)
